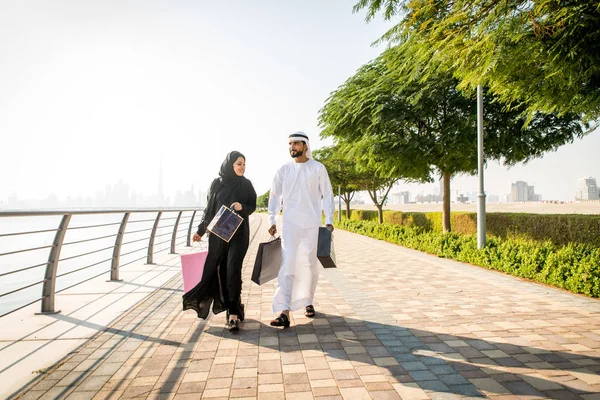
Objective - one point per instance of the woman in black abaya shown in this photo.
(221, 283)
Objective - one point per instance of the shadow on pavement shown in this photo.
(436, 362)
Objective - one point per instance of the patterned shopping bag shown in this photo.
(225, 223)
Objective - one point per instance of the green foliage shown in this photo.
(262, 201)
(544, 53)
(574, 228)
(363, 215)
(342, 172)
(560, 229)
(575, 267)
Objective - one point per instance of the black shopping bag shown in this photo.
(325, 252)
(225, 223)
(268, 260)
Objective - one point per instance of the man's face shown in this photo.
(297, 148)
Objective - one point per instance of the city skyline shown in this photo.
(120, 195)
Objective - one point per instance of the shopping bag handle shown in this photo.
(272, 238)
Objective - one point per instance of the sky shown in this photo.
(93, 92)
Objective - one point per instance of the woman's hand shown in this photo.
(236, 206)
(196, 238)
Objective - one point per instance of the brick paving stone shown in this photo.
(328, 391)
(166, 387)
(221, 371)
(297, 387)
(245, 372)
(299, 396)
(375, 386)
(442, 396)
(271, 396)
(108, 395)
(267, 379)
(82, 395)
(137, 391)
(191, 387)
(93, 383)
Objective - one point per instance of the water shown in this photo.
(135, 242)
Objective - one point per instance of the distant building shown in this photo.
(428, 198)
(587, 189)
(462, 199)
(202, 198)
(493, 198)
(401, 198)
(521, 191)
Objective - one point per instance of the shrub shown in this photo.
(560, 229)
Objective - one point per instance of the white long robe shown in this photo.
(304, 190)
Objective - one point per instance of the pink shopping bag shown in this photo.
(192, 267)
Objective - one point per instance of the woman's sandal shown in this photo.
(309, 312)
(233, 325)
(282, 320)
(241, 316)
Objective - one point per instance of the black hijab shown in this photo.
(227, 173)
(230, 182)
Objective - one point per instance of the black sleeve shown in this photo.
(208, 213)
(249, 202)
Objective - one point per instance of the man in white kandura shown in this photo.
(303, 188)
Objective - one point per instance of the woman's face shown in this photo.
(239, 166)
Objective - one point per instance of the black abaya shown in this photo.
(221, 283)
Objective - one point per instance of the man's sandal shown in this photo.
(309, 312)
(282, 320)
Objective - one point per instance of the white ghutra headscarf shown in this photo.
(302, 137)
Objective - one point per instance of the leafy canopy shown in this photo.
(541, 54)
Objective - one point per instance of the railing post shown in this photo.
(150, 257)
(49, 289)
(189, 239)
(174, 237)
(116, 258)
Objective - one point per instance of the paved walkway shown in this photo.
(391, 323)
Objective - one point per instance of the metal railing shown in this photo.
(49, 287)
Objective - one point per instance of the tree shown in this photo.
(394, 121)
(544, 54)
(378, 188)
(262, 201)
(342, 173)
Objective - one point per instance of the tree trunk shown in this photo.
(380, 213)
(446, 203)
(347, 208)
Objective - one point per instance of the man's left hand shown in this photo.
(329, 227)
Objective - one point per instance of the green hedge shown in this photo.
(574, 267)
(560, 229)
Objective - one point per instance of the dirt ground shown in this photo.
(530, 207)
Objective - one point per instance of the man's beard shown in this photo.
(297, 153)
